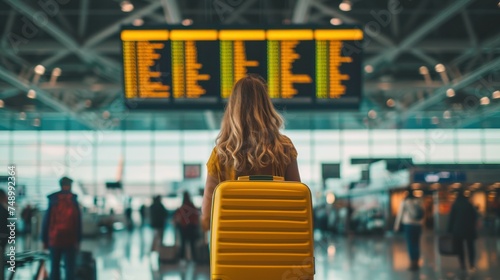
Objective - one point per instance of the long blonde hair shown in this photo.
(249, 138)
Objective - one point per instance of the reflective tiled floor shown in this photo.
(126, 256)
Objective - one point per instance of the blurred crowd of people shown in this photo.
(463, 223)
(61, 231)
(61, 228)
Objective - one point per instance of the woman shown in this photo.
(462, 224)
(410, 214)
(249, 142)
(187, 219)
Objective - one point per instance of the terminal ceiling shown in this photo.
(403, 38)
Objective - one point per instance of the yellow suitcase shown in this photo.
(261, 229)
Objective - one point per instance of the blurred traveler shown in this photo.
(479, 217)
(462, 224)
(128, 218)
(128, 215)
(4, 230)
(158, 220)
(108, 222)
(62, 230)
(249, 142)
(187, 220)
(410, 215)
(142, 212)
(27, 215)
(497, 221)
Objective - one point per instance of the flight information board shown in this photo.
(179, 67)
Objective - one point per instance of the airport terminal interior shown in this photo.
(393, 107)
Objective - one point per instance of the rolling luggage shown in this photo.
(261, 229)
(169, 253)
(202, 251)
(85, 266)
(202, 254)
(446, 245)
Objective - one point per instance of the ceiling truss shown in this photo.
(405, 44)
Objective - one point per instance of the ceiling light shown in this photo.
(31, 94)
(345, 6)
(56, 72)
(336, 21)
(440, 68)
(331, 251)
(372, 114)
(187, 22)
(446, 114)
(496, 94)
(36, 122)
(126, 6)
(368, 68)
(39, 69)
(498, 4)
(330, 198)
(423, 70)
(22, 116)
(484, 100)
(138, 22)
(450, 92)
(390, 102)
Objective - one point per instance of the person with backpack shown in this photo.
(62, 230)
(187, 219)
(410, 215)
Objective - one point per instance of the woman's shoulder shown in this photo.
(213, 152)
(289, 147)
(213, 162)
(213, 156)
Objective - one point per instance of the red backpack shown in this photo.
(63, 224)
(187, 215)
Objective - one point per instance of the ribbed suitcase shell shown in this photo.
(261, 230)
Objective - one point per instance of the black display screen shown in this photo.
(179, 67)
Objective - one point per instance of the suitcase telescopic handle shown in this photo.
(260, 178)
